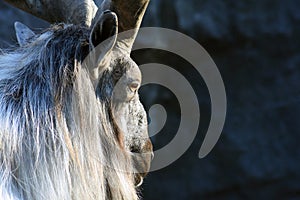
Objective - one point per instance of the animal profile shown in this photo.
(71, 122)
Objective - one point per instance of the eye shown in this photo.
(134, 86)
(117, 73)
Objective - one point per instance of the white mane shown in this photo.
(57, 140)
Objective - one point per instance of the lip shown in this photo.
(140, 181)
(152, 155)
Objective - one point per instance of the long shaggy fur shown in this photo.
(57, 139)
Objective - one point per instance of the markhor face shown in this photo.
(130, 115)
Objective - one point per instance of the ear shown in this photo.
(23, 33)
(104, 35)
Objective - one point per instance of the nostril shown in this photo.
(134, 86)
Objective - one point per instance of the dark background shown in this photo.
(256, 46)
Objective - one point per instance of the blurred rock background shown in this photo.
(256, 46)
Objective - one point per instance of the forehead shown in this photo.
(122, 61)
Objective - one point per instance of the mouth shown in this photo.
(138, 180)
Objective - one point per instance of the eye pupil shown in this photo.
(117, 73)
